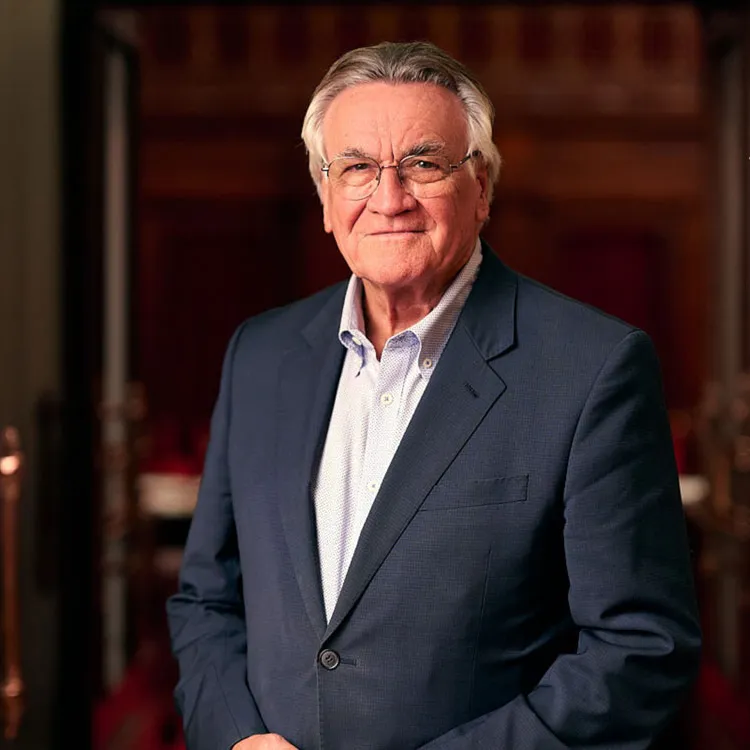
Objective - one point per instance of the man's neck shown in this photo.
(388, 312)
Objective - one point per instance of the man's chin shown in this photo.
(396, 243)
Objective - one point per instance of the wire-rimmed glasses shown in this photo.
(357, 177)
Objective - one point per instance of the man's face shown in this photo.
(392, 239)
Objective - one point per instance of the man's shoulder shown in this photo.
(545, 317)
(553, 313)
(570, 336)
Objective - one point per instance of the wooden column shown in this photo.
(728, 88)
(722, 523)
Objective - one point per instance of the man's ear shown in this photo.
(483, 203)
(325, 200)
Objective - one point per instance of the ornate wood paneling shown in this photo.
(620, 58)
(205, 265)
(599, 118)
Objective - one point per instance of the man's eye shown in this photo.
(358, 167)
(424, 165)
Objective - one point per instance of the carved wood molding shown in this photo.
(618, 59)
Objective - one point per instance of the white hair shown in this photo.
(404, 62)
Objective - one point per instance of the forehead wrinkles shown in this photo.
(386, 121)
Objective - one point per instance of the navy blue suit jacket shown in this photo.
(521, 583)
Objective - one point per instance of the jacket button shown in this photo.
(329, 659)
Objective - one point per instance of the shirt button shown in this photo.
(372, 486)
(427, 363)
(356, 341)
(386, 399)
(329, 659)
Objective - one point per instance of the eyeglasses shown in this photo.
(357, 177)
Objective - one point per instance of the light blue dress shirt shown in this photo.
(374, 403)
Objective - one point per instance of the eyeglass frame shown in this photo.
(453, 168)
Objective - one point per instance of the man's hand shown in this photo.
(264, 742)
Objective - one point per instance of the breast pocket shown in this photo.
(454, 494)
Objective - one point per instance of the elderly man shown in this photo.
(439, 506)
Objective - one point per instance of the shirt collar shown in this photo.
(432, 331)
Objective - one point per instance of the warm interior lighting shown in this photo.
(9, 465)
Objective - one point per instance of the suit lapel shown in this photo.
(307, 387)
(462, 389)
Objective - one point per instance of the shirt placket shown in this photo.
(383, 431)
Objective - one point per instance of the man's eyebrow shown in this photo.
(354, 152)
(425, 148)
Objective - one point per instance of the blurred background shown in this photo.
(154, 193)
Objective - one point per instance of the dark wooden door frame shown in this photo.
(79, 675)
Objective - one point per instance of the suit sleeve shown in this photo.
(631, 590)
(206, 616)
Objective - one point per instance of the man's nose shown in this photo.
(390, 196)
